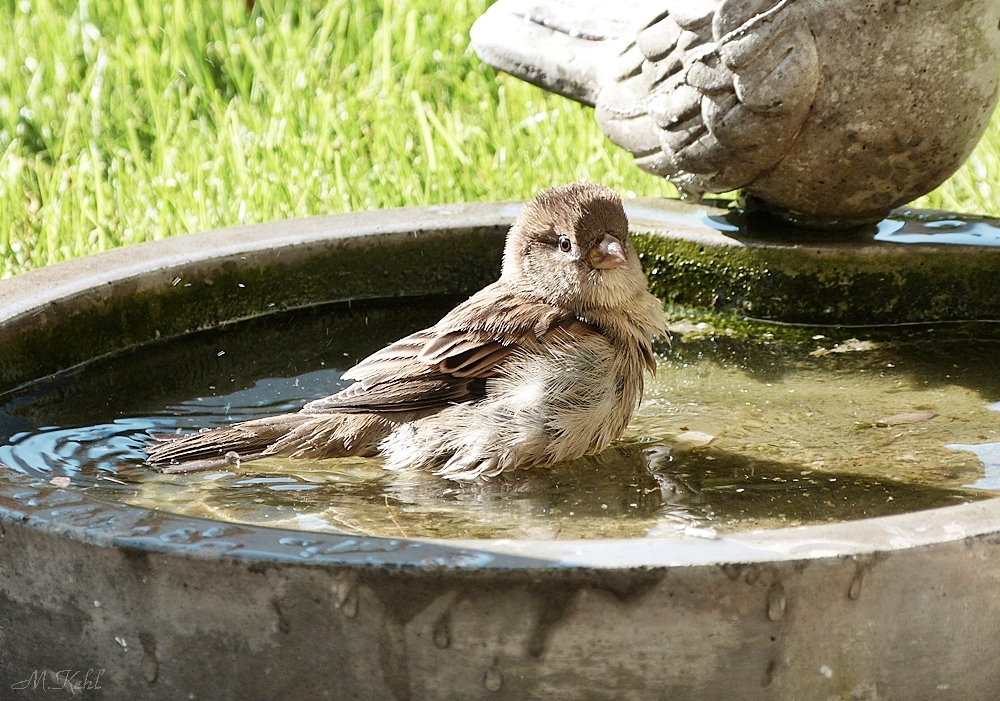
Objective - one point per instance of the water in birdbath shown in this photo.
(746, 425)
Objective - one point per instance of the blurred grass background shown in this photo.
(125, 120)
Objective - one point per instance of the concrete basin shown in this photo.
(129, 603)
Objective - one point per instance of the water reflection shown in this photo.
(902, 226)
(970, 232)
(989, 455)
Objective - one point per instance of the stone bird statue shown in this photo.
(829, 112)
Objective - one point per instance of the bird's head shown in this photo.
(571, 246)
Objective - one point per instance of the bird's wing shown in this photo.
(711, 94)
(451, 361)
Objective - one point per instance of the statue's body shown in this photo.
(831, 112)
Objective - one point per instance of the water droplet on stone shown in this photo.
(150, 669)
(442, 638)
(492, 680)
(768, 677)
(345, 598)
(855, 591)
(776, 602)
(349, 607)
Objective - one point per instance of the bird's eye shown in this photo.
(565, 245)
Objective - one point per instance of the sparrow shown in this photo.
(546, 364)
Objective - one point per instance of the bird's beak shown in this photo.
(609, 253)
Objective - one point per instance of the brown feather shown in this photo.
(449, 362)
(246, 438)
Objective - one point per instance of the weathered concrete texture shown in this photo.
(830, 112)
(172, 607)
(895, 608)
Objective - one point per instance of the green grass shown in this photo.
(124, 120)
(975, 187)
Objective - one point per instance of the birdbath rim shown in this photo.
(38, 304)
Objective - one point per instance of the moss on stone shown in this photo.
(825, 285)
(430, 264)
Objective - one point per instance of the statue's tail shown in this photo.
(557, 45)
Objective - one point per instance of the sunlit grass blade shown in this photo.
(124, 121)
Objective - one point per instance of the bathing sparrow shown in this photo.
(544, 365)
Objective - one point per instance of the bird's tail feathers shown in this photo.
(218, 447)
(298, 435)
